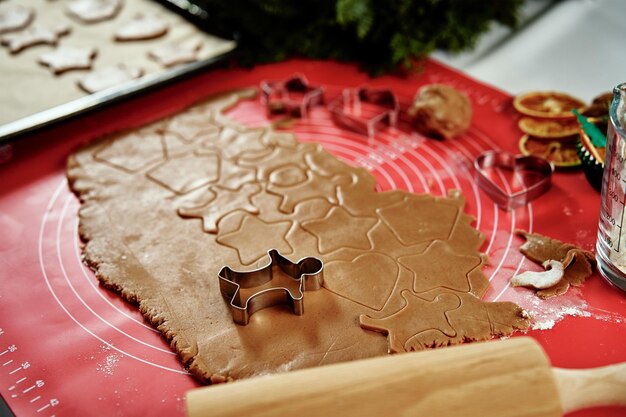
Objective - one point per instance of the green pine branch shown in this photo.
(381, 35)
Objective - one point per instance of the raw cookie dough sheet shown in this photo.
(27, 88)
(82, 349)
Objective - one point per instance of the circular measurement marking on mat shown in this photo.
(99, 312)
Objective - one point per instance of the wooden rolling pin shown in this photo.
(501, 378)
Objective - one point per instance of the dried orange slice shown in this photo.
(548, 128)
(547, 104)
(561, 153)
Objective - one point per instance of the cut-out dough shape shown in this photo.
(233, 176)
(359, 200)
(108, 77)
(14, 18)
(249, 246)
(279, 157)
(288, 176)
(193, 126)
(35, 35)
(92, 11)
(220, 203)
(132, 151)
(234, 144)
(68, 58)
(339, 230)
(368, 279)
(176, 53)
(187, 172)
(420, 219)
(142, 27)
(313, 187)
(440, 266)
(416, 316)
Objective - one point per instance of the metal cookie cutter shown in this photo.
(294, 96)
(307, 272)
(347, 110)
(533, 174)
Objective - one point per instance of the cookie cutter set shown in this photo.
(296, 96)
(307, 273)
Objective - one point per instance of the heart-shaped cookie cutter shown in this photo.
(308, 272)
(351, 99)
(540, 182)
(294, 96)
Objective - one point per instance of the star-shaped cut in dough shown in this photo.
(66, 58)
(313, 187)
(92, 11)
(176, 53)
(36, 35)
(279, 157)
(339, 229)
(440, 264)
(221, 202)
(233, 143)
(255, 237)
(15, 18)
(416, 316)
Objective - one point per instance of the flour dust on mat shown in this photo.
(166, 206)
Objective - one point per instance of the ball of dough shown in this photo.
(441, 111)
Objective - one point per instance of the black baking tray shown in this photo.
(17, 129)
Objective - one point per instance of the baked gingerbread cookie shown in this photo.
(176, 53)
(107, 77)
(35, 35)
(15, 17)
(92, 11)
(142, 27)
(165, 207)
(66, 58)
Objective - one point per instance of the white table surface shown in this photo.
(574, 46)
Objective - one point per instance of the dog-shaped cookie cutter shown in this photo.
(307, 271)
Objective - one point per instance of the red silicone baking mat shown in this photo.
(70, 348)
